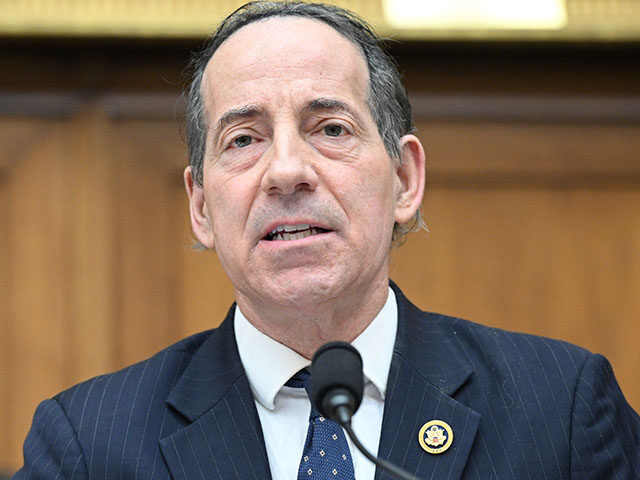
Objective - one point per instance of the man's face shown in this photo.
(299, 195)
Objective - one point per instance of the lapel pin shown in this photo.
(435, 437)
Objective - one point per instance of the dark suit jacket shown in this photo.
(520, 407)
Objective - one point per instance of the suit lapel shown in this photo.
(223, 438)
(426, 371)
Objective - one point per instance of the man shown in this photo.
(302, 170)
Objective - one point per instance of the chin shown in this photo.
(305, 290)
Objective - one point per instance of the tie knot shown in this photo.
(300, 380)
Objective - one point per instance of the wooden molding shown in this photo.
(592, 20)
(523, 108)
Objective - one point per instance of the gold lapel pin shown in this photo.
(435, 437)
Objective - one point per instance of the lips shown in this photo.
(293, 232)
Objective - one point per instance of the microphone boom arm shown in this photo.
(383, 464)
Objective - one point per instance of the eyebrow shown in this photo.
(233, 115)
(331, 105)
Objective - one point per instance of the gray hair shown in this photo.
(387, 98)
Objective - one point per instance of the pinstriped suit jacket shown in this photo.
(520, 407)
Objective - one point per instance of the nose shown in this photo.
(290, 167)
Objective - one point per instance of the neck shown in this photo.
(305, 326)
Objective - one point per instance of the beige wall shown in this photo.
(535, 226)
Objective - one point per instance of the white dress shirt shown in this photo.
(284, 411)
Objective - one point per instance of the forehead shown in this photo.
(283, 55)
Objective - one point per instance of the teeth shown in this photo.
(293, 228)
(290, 228)
(283, 235)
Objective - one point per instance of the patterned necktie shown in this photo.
(326, 451)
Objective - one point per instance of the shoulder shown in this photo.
(488, 349)
(508, 368)
(498, 346)
(110, 420)
(533, 368)
(142, 382)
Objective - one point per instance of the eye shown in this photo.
(242, 141)
(333, 130)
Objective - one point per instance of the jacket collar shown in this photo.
(426, 346)
(223, 439)
(213, 370)
(427, 369)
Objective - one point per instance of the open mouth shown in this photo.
(293, 232)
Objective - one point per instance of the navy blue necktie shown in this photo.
(326, 451)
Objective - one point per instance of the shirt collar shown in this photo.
(269, 364)
(376, 342)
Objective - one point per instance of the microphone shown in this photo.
(337, 384)
(337, 381)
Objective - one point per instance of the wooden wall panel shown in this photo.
(89, 206)
(147, 237)
(36, 310)
(6, 293)
(503, 149)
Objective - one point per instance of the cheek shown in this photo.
(379, 186)
(369, 199)
(227, 199)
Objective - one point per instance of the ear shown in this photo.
(411, 173)
(200, 220)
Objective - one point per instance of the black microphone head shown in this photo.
(336, 369)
